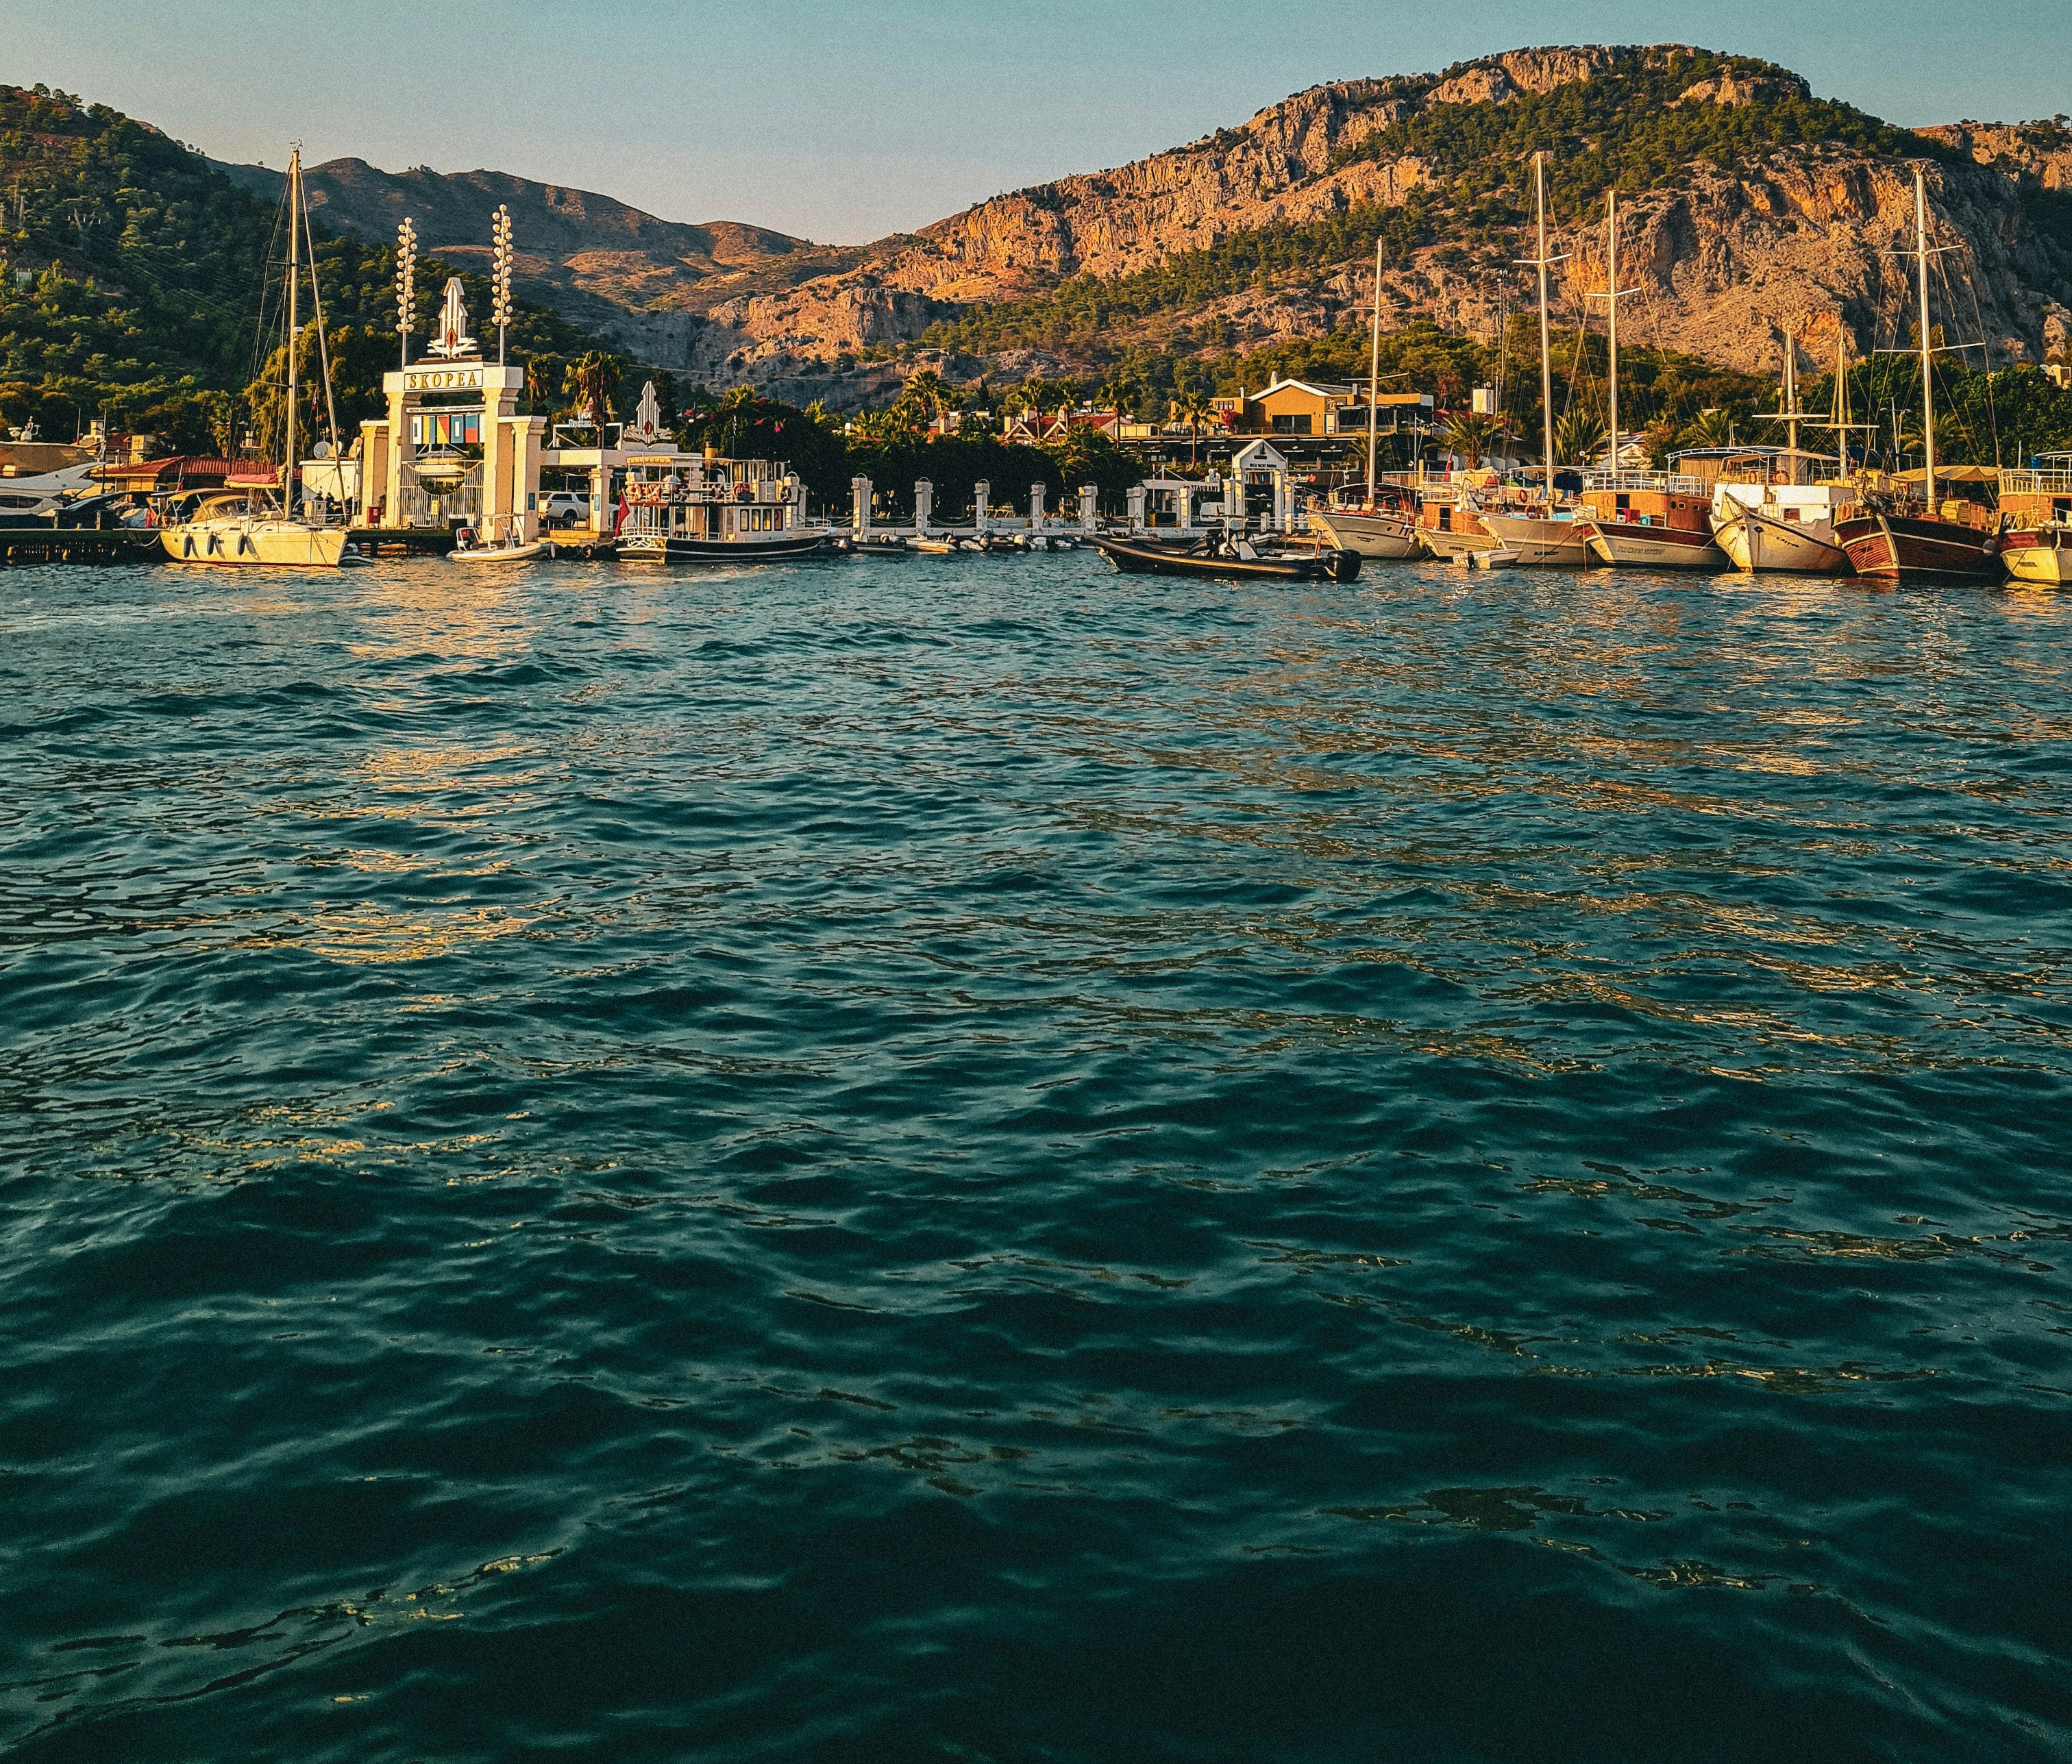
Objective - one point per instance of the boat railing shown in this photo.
(2033, 483)
(1674, 483)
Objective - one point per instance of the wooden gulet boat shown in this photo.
(1917, 544)
(1647, 519)
(1370, 530)
(1791, 528)
(1551, 535)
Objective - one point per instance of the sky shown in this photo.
(841, 121)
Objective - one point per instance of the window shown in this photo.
(1291, 425)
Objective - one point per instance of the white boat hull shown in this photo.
(1629, 545)
(1371, 536)
(1454, 544)
(264, 545)
(1759, 542)
(1539, 542)
(498, 554)
(2045, 565)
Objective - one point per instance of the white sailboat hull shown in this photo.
(1453, 544)
(1540, 541)
(1757, 542)
(1371, 536)
(264, 545)
(2048, 566)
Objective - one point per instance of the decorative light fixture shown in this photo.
(500, 275)
(406, 283)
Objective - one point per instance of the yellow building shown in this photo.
(1297, 408)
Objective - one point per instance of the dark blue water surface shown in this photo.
(974, 1160)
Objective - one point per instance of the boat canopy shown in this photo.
(1950, 475)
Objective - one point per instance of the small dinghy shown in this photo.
(510, 551)
(1136, 557)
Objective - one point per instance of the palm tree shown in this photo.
(1119, 394)
(1579, 438)
(1713, 428)
(926, 392)
(1471, 435)
(592, 379)
(1036, 396)
(539, 378)
(737, 402)
(1193, 409)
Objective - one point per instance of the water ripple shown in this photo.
(978, 1160)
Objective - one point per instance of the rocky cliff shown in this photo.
(1751, 208)
(1770, 227)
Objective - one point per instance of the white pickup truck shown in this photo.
(563, 508)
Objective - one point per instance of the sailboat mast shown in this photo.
(1546, 359)
(295, 274)
(1791, 399)
(1373, 373)
(1927, 354)
(1841, 402)
(1611, 307)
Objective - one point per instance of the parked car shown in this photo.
(565, 508)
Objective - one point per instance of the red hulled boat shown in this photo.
(1913, 547)
(1916, 542)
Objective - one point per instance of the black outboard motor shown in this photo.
(1345, 565)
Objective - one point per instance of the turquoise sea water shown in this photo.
(975, 1160)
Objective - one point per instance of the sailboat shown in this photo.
(1790, 526)
(224, 533)
(1915, 543)
(1551, 536)
(1370, 530)
(1649, 519)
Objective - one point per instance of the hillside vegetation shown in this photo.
(1631, 128)
(142, 284)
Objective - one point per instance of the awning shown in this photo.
(1951, 474)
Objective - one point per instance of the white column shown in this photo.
(982, 495)
(1137, 495)
(399, 450)
(496, 511)
(859, 506)
(602, 514)
(1089, 508)
(1037, 493)
(530, 430)
(1184, 505)
(924, 506)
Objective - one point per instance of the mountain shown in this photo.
(131, 279)
(606, 265)
(1750, 207)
